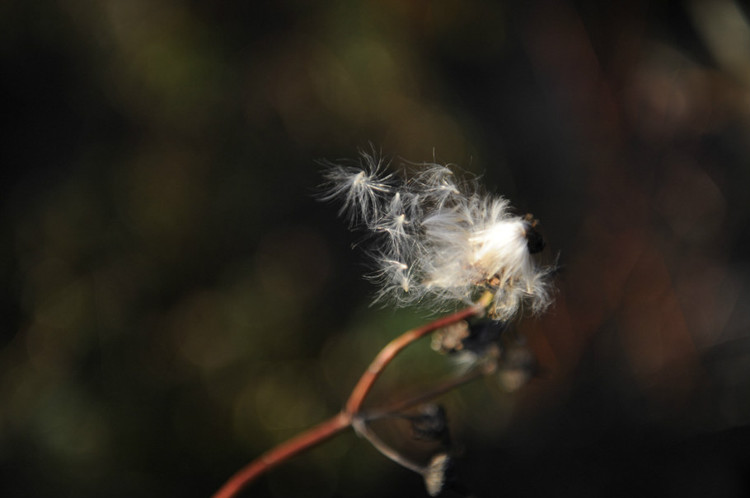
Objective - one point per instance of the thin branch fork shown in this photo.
(344, 419)
(388, 353)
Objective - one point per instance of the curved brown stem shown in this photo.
(342, 420)
(386, 355)
(283, 452)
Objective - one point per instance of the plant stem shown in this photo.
(438, 390)
(361, 428)
(283, 452)
(386, 355)
(343, 420)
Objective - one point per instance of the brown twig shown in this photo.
(422, 397)
(361, 428)
(284, 451)
(344, 419)
(386, 355)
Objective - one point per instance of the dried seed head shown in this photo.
(441, 241)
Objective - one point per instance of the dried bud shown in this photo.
(431, 424)
(450, 339)
(517, 366)
(475, 338)
(436, 473)
(534, 240)
(483, 334)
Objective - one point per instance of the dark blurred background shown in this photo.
(175, 301)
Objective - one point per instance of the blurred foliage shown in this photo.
(176, 301)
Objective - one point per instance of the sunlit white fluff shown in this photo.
(441, 240)
(362, 186)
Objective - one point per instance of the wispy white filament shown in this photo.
(440, 239)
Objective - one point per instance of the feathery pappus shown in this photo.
(440, 239)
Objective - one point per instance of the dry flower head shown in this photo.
(441, 240)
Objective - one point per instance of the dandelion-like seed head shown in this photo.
(442, 240)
